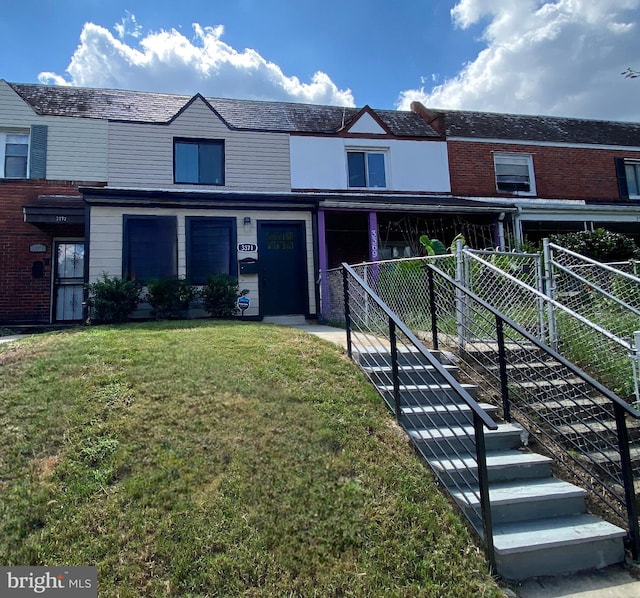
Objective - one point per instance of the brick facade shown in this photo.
(25, 297)
(560, 172)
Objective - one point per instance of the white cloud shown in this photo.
(168, 61)
(128, 26)
(560, 57)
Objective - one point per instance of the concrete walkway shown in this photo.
(613, 582)
(12, 337)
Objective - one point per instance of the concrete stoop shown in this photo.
(540, 523)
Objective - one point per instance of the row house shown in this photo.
(561, 174)
(141, 185)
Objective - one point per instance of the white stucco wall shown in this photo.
(412, 166)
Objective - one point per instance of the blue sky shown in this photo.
(561, 57)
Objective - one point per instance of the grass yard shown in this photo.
(218, 459)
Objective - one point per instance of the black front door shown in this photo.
(68, 281)
(283, 268)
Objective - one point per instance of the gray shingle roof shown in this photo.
(519, 127)
(149, 107)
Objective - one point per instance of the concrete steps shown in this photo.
(540, 525)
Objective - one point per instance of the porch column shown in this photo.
(322, 261)
(373, 236)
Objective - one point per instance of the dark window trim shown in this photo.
(233, 254)
(621, 174)
(198, 141)
(125, 239)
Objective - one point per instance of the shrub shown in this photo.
(112, 299)
(169, 297)
(220, 294)
(601, 245)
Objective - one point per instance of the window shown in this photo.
(632, 173)
(514, 173)
(14, 154)
(150, 247)
(211, 246)
(366, 169)
(200, 162)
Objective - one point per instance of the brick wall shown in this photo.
(24, 298)
(560, 172)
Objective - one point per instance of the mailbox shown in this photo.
(248, 265)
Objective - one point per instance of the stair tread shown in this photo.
(462, 431)
(555, 383)
(407, 368)
(495, 459)
(522, 491)
(540, 534)
(435, 386)
(447, 408)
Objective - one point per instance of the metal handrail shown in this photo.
(480, 419)
(621, 408)
(464, 395)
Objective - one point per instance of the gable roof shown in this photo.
(522, 127)
(161, 108)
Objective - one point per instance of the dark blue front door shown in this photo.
(283, 268)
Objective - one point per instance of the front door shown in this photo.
(68, 280)
(283, 268)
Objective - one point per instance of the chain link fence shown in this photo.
(585, 310)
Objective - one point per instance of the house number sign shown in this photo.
(247, 247)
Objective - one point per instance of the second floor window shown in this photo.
(14, 148)
(514, 173)
(366, 169)
(632, 172)
(198, 161)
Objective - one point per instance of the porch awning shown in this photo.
(55, 209)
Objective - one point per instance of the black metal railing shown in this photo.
(586, 428)
(443, 420)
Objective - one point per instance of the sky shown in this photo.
(553, 57)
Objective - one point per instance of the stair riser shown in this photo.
(560, 560)
(592, 442)
(490, 357)
(384, 359)
(534, 509)
(548, 393)
(497, 474)
(493, 442)
(433, 396)
(436, 420)
(420, 376)
(571, 414)
(454, 417)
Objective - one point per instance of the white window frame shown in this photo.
(3, 152)
(636, 165)
(515, 158)
(369, 150)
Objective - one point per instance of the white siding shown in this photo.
(366, 124)
(413, 166)
(76, 147)
(106, 242)
(141, 155)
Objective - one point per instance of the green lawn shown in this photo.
(218, 459)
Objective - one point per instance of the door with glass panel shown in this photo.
(68, 281)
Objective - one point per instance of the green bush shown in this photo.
(112, 299)
(169, 297)
(220, 294)
(601, 245)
